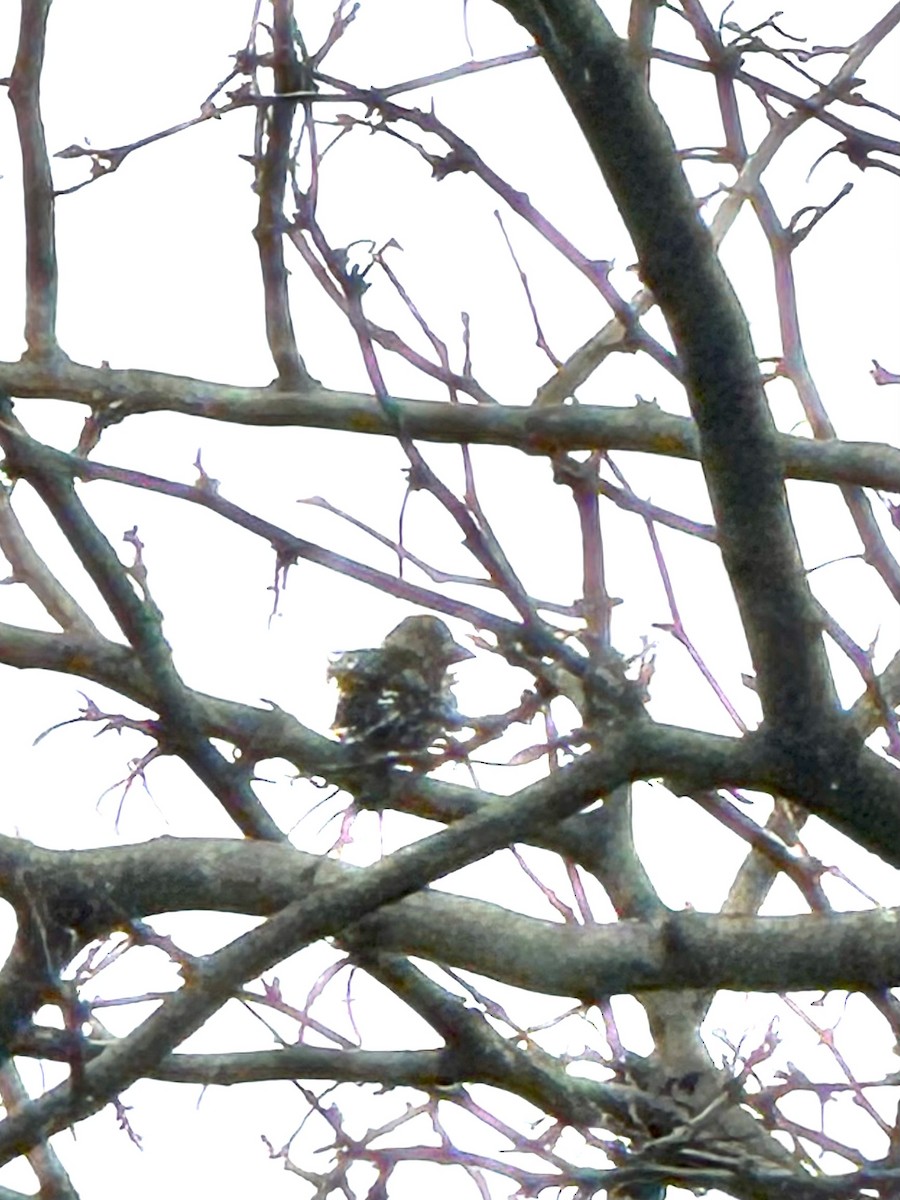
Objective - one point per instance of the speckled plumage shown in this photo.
(396, 699)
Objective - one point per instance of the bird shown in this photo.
(396, 700)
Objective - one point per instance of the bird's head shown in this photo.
(429, 639)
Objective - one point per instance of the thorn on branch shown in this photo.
(795, 233)
(444, 165)
(882, 375)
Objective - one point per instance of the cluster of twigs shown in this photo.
(611, 1120)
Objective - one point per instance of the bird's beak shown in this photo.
(460, 653)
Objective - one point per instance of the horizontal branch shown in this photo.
(587, 1101)
(392, 1068)
(323, 911)
(859, 795)
(114, 395)
(681, 950)
(684, 950)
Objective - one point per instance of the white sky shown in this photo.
(159, 270)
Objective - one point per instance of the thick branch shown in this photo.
(112, 886)
(861, 798)
(322, 912)
(113, 395)
(738, 441)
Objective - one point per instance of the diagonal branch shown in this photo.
(141, 623)
(114, 395)
(737, 437)
(324, 911)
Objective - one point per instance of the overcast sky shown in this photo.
(158, 269)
